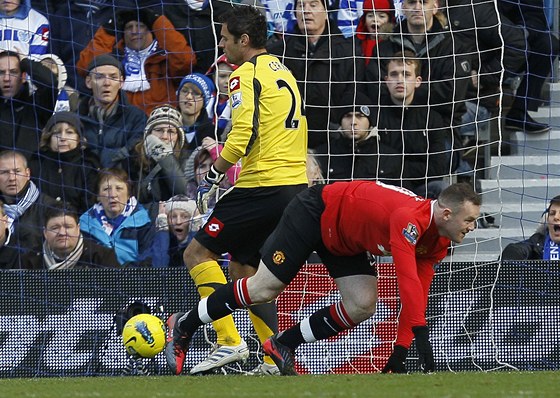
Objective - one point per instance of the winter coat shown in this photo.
(93, 256)
(445, 71)
(529, 249)
(475, 25)
(70, 176)
(23, 116)
(72, 27)
(133, 241)
(173, 59)
(421, 139)
(27, 235)
(113, 140)
(344, 159)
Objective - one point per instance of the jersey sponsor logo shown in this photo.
(278, 257)
(235, 100)
(410, 233)
(234, 83)
(214, 227)
(421, 249)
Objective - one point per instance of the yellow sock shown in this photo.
(263, 330)
(207, 277)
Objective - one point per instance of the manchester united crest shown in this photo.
(278, 257)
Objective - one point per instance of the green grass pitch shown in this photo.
(442, 384)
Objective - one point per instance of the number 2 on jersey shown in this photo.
(290, 122)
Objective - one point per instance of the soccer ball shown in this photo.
(144, 336)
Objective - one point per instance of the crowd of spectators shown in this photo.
(115, 113)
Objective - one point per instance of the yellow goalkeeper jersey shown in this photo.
(269, 128)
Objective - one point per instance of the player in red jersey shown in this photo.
(346, 223)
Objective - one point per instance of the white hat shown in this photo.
(180, 202)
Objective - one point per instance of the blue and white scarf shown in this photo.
(16, 210)
(135, 79)
(551, 250)
(109, 225)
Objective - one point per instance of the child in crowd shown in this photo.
(220, 71)
(161, 157)
(195, 95)
(378, 18)
(179, 219)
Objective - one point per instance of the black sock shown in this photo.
(219, 304)
(324, 323)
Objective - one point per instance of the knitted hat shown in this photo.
(105, 59)
(222, 59)
(380, 5)
(125, 16)
(180, 202)
(166, 114)
(64, 116)
(204, 84)
(356, 102)
(375, 5)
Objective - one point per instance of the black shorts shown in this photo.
(298, 234)
(242, 220)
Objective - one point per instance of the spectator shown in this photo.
(445, 69)
(153, 55)
(354, 152)
(220, 72)
(112, 127)
(195, 95)
(22, 28)
(202, 159)
(65, 168)
(417, 134)
(24, 112)
(24, 206)
(493, 47)
(345, 223)
(197, 21)
(544, 244)
(119, 222)
(179, 218)
(324, 63)
(67, 98)
(64, 246)
(73, 24)
(161, 158)
(377, 20)
(540, 51)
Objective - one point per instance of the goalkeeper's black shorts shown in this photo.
(242, 220)
(298, 234)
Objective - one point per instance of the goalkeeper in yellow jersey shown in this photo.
(269, 135)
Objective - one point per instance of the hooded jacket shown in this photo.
(173, 59)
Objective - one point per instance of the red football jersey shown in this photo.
(391, 221)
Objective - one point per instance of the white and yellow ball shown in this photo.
(144, 336)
